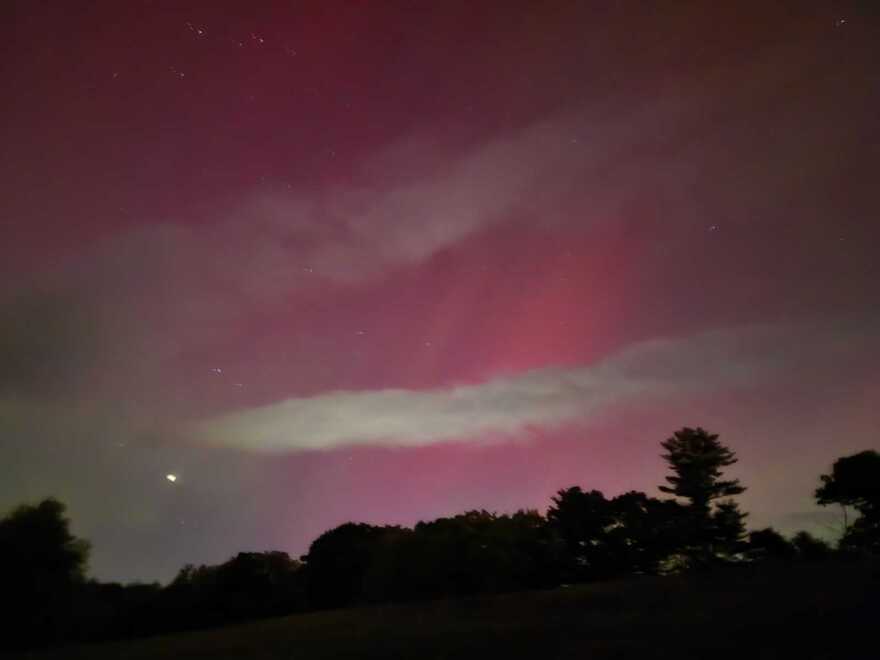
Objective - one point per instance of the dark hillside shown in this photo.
(805, 611)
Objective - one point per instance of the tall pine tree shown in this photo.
(715, 525)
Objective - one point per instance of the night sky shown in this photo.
(387, 261)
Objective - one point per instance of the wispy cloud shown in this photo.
(743, 357)
(157, 289)
(417, 196)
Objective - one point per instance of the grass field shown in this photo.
(802, 611)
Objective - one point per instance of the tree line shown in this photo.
(584, 536)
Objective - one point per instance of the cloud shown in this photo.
(747, 357)
(404, 203)
(154, 291)
(157, 288)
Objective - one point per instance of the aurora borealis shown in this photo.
(388, 261)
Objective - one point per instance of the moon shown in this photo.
(171, 477)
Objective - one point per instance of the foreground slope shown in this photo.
(803, 611)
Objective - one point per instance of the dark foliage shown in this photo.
(481, 552)
(581, 520)
(645, 532)
(41, 566)
(113, 610)
(603, 538)
(810, 548)
(338, 562)
(767, 543)
(714, 529)
(475, 552)
(696, 458)
(248, 586)
(855, 481)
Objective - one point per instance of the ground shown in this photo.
(802, 611)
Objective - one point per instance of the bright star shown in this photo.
(171, 477)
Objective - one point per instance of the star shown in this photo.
(171, 477)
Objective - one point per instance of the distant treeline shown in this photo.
(584, 536)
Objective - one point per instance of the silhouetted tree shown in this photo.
(41, 565)
(767, 543)
(111, 610)
(540, 549)
(338, 562)
(249, 585)
(582, 519)
(482, 552)
(811, 548)
(644, 532)
(696, 458)
(392, 567)
(728, 528)
(630, 533)
(855, 481)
